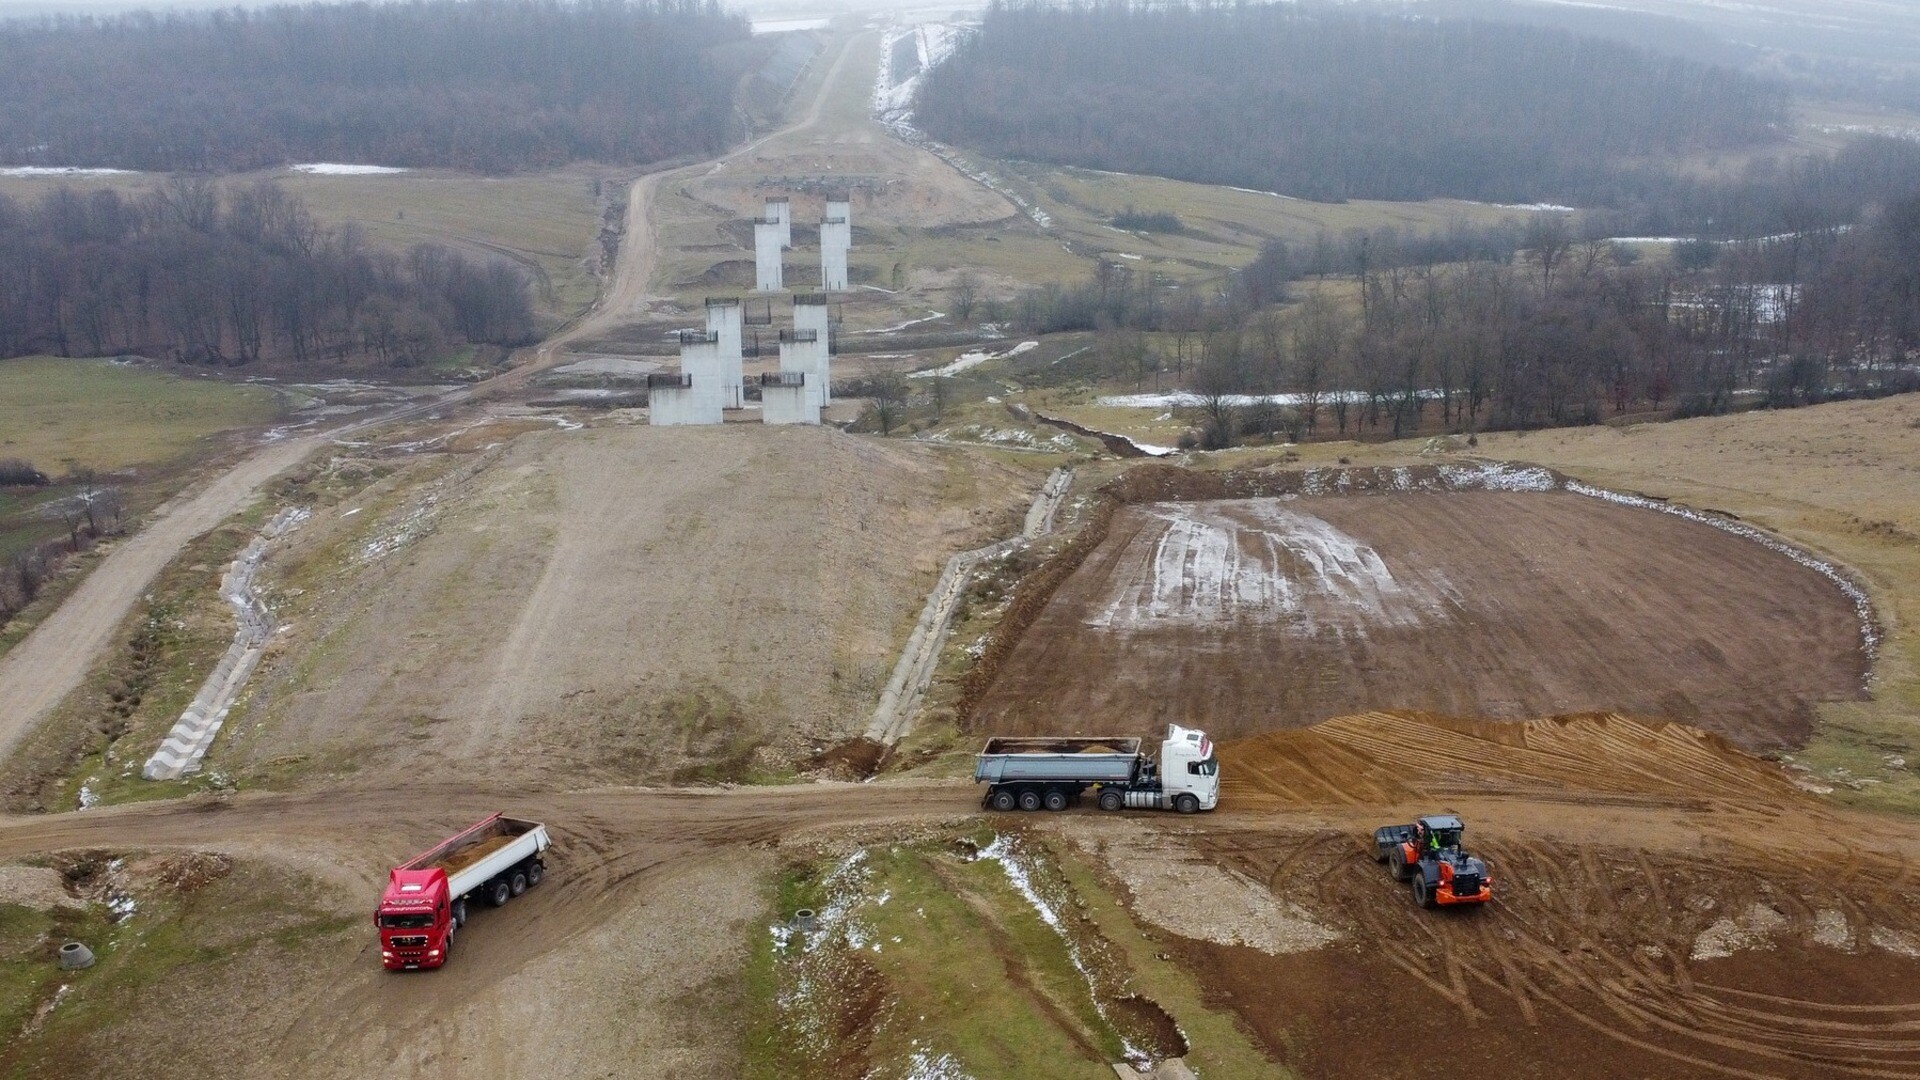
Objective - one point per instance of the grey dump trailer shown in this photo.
(1052, 773)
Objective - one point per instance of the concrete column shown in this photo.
(766, 256)
(803, 352)
(695, 395)
(836, 237)
(784, 399)
(723, 322)
(781, 210)
(812, 313)
(672, 401)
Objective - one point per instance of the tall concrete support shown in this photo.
(836, 237)
(724, 316)
(784, 399)
(781, 210)
(804, 353)
(697, 394)
(766, 255)
(813, 313)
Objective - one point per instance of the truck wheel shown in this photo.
(460, 912)
(535, 871)
(1111, 800)
(518, 883)
(1055, 800)
(1422, 895)
(1186, 804)
(499, 892)
(1004, 800)
(1398, 864)
(1029, 801)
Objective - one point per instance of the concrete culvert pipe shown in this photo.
(804, 921)
(74, 956)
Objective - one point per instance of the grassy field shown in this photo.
(190, 923)
(549, 223)
(1225, 226)
(937, 958)
(60, 413)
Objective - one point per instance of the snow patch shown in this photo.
(925, 1065)
(897, 327)
(1260, 561)
(1274, 194)
(329, 168)
(973, 359)
(1014, 862)
(60, 170)
(785, 26)
(1187, 399)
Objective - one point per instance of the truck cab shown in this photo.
(416, 917)
(1188, 766)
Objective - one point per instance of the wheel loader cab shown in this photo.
(1439, 832)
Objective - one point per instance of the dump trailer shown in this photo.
(426, 898)
(1052, 773)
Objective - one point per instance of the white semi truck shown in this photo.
(1051, 773)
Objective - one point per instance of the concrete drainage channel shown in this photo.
(180, 752)
(893, 717)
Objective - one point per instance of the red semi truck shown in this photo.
(426, 898)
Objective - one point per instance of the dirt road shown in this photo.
(1240, 616)
(1648, 922)
(42, 669)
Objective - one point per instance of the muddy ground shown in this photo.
(1246, 615)
(1666, 906)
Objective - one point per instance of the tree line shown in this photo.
(199, 274)
(1332, 104)
(1548, 324)
(487, 85)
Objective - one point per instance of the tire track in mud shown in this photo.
(1605, 934)
(1554, 960)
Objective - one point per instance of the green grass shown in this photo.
(102, 734)
(547, 222)
(61, 413)
(173, 938)
(965, 969)
(949, 959)
(1220, 1050)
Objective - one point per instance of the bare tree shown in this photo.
(889, 400)
(966, 293)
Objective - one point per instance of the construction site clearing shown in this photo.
(671, 647)
(1667, 904)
